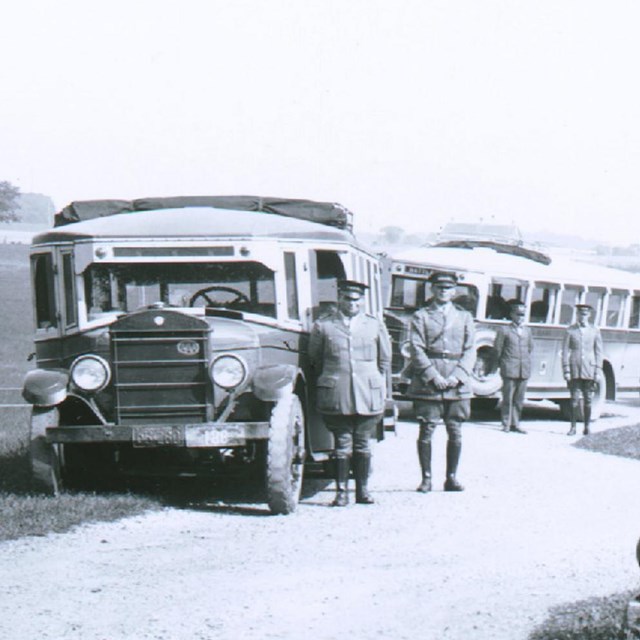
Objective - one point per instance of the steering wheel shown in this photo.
(202, 293)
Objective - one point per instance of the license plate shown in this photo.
(158, 436)
(198, 436)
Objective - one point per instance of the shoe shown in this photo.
(451, 484)
(586, 431)
(424, 486)
(517, 430)
(505, 428)
(572, 431)
(365, 498)
(342, 499)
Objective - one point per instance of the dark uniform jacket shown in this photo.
(441, 345)
(582, 352)
(352, 363)
(513, 351)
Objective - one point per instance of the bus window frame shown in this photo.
(552, 305)
(621, 317)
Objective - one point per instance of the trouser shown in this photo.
(581, 387)
(513, 390)
(429, 413)
(351, 433)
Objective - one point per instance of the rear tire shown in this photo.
(44, 458)
(285, 455)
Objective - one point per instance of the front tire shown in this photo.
(44, 459)
(285, 455)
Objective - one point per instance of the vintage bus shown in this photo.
(491, 273)
(171, 338)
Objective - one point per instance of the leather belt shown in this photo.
(444, 355)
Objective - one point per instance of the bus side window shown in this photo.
(500, 292)
(46, 312)
(291, 284)
(634, 319)
(595, 298)
(543, 301)
(497, 308)
(539, 311)
(615, 304)
(570, 295)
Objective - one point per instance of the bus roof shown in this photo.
(195, 223)
(329, 213)
(492, 262)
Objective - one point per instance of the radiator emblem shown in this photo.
(188, 348)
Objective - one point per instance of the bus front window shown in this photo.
(246, 286)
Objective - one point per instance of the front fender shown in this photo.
(45, 387)
(273, 381)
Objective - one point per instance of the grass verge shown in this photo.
(30, 515)
(592, 619)
(23, 514)
(595, 618)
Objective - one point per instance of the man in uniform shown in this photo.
(350, 352)
(582, 364)
(442, 359)
(513, 347)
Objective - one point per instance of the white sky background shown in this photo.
(408, 113)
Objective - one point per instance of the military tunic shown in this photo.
(582, 352)
(352, 358)
(441, 345)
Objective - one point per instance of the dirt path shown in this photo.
(541, 524)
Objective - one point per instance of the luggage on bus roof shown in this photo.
(328, 213)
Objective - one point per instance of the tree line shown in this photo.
(9, 205)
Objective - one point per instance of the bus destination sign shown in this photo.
(421, 271)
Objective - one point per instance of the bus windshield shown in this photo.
(243, 286)
(410, 294)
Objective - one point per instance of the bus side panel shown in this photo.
(546, 363)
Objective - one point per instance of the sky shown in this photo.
(409, 113)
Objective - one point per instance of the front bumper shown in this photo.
(208, 434)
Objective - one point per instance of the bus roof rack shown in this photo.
(328, 213)
(511, 249)
(501, 238)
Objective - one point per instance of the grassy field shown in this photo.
(23, 514)
(16, 317)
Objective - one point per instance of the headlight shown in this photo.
(405, 349)
(228, 371)
(90, 373)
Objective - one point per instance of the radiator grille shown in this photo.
(160, 373)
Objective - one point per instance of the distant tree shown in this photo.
(392, 235)
(9, 206)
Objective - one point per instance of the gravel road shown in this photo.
(541, 524)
